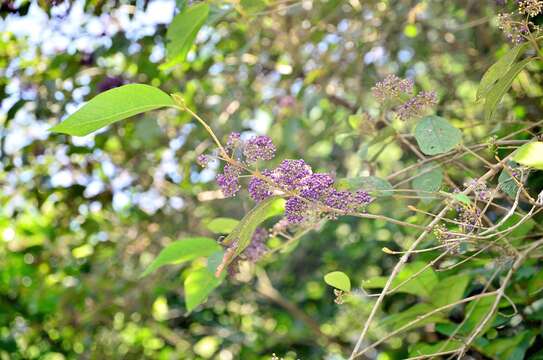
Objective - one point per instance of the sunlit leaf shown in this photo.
(222, 225)
(183, 250)
(339, 280)
(198, 285)
(435, 135)
(183, 30)
(530, 155)
(113, 105)
(420, 285)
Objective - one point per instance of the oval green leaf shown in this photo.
(435, 135)
(198, 285)
(183, 250)
(113, 105)
(183, 30)
(530, 155)
(430, 179)
(339, 280)
(222, 225)
(507, 184)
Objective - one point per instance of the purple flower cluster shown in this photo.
(391, 87)
(257, 248)
(417, 105)
(228, 181)
(259, 148)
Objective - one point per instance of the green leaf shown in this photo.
(510, 348)
(421, 349)
(530, 155)
(339, 280)
(430, 179)
(496, 71)
(497, 92)
(183, 250)
(113, 105)
(520, 230)
(449, 290)
(222, 225)
(214, 260)
(535, 285)
(463, 198)
(404, 317)
(253, 6)
(372, 184)
(507, 184)
(435, 135)
(198, 285)
(420, 285)
(183, 30)
(476, 311)
(243, 232)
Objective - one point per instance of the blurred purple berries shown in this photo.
(391, 88)
(110, 82)
(259, 148)
(202, 160)
(257, 248)
(416, 106)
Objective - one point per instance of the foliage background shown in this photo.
(81, 218)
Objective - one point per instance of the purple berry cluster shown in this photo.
(479, 189)
(392, 87)
(417, 105)
(259, 148)
(531, 8)
(228, 181)
(309, 195)
(257, 248)
(514, 30)
(202, 160)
